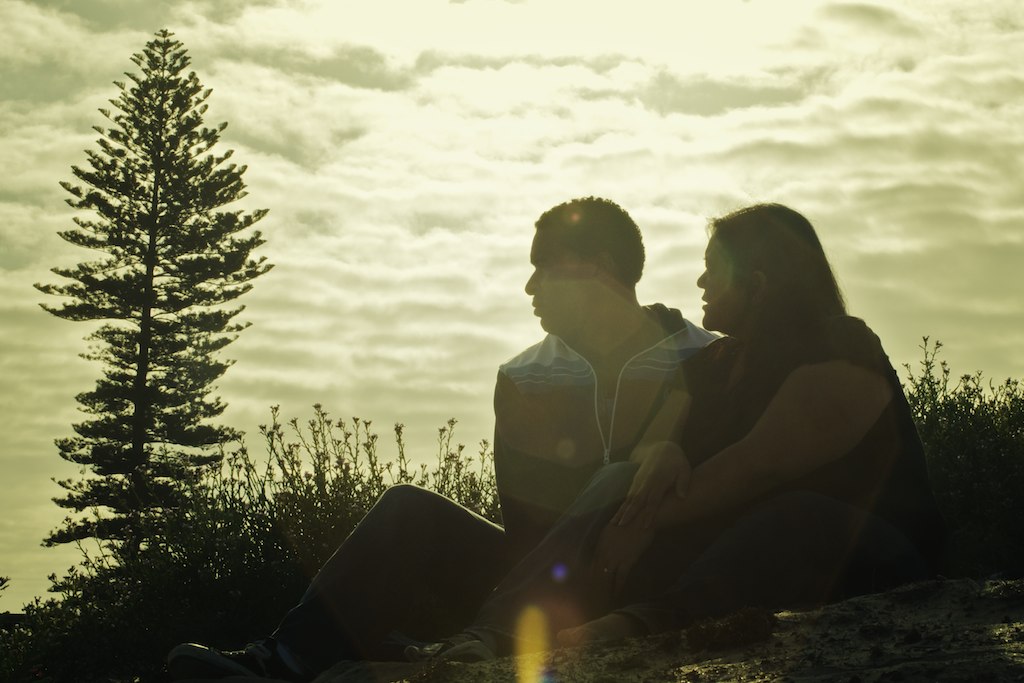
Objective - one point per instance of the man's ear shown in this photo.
(758, 283)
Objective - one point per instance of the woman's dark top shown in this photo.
(885, 473)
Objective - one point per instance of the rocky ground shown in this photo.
(946, 630)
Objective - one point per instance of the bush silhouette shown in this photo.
(225, 566)
(973, 434)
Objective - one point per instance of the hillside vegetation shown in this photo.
(222, 568)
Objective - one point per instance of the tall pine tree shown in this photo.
(173, 258)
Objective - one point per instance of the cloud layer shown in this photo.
(404, 163)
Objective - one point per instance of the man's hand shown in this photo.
(617, 551)
(664, 469)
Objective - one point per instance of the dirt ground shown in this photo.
(945, 630)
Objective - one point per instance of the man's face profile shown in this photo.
(563, 287)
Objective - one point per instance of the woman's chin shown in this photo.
(713, 323)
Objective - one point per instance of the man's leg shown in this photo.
(412, 542)
(552, 576)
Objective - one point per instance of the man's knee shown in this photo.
(417, 507)
(402, 496)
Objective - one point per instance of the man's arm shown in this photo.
(508, 469)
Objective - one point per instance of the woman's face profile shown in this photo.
(726, 303)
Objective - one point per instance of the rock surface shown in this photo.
(944, 630)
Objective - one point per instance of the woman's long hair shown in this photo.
(800, 287)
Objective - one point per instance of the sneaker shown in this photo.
(191, 660)
(464, 647)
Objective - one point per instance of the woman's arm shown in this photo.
(667, 425)
(664, 468)
(819, 413)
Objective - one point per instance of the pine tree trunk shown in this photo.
(140, 436)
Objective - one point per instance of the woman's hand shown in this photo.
(664, 470)
(618, 549)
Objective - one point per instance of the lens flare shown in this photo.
(532, 640)
(559, 572)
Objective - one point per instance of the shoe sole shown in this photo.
(468, 652)
(191, 660)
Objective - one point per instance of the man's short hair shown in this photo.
(589, 226)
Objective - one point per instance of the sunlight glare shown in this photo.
(532, 638)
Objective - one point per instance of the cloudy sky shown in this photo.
(405, 147)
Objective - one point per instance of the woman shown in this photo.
(785, 471)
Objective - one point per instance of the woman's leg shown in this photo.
(798, 549)
(412, 542)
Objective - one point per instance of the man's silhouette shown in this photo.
(582, 397)
(577, 400)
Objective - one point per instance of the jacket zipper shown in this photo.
(607, 443)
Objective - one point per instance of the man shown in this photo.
(583, 396)
(563, 408)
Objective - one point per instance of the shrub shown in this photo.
(225, 566)
(973, 433)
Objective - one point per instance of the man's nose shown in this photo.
(531, 284)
